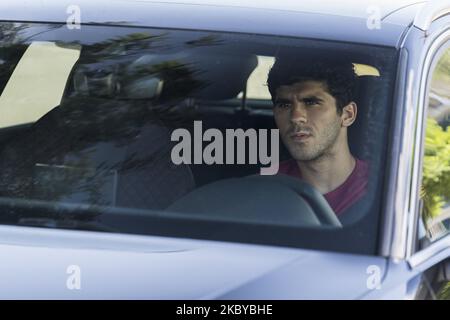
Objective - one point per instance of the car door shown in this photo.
(420, 250)
(431, 243)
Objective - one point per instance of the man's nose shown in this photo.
(298, 113)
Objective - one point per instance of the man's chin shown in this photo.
(305, 159)
(302, 155)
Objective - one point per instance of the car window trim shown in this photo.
(387, 219)
(415, 258)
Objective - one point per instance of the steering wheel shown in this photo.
(277, 199)
(315, 199)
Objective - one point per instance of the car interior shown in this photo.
(108, 142)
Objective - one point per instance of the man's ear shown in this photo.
(349, 113)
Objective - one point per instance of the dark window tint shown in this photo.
(87, 135)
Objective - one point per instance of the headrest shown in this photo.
(193, 74)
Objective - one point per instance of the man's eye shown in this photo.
(311, 102)
(282, 105)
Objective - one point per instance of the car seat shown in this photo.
(96, 148)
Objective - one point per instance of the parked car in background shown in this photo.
(92, 205)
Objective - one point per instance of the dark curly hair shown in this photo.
(338, 75)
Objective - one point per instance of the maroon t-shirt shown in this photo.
(347, 193)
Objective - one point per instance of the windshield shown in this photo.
(195, 134)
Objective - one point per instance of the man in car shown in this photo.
(313, 108)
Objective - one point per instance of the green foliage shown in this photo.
(436, 169)
(444, 292)
(443, 68)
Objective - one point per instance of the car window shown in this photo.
(435, 189)
(256, 87)
(146, 131)
(42, 72)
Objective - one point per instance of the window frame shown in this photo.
(438, 55)
(440, 248)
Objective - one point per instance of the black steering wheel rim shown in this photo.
(315, 199)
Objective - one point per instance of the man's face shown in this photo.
(307, 118)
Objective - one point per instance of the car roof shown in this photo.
(347, 8)
(325, 19)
